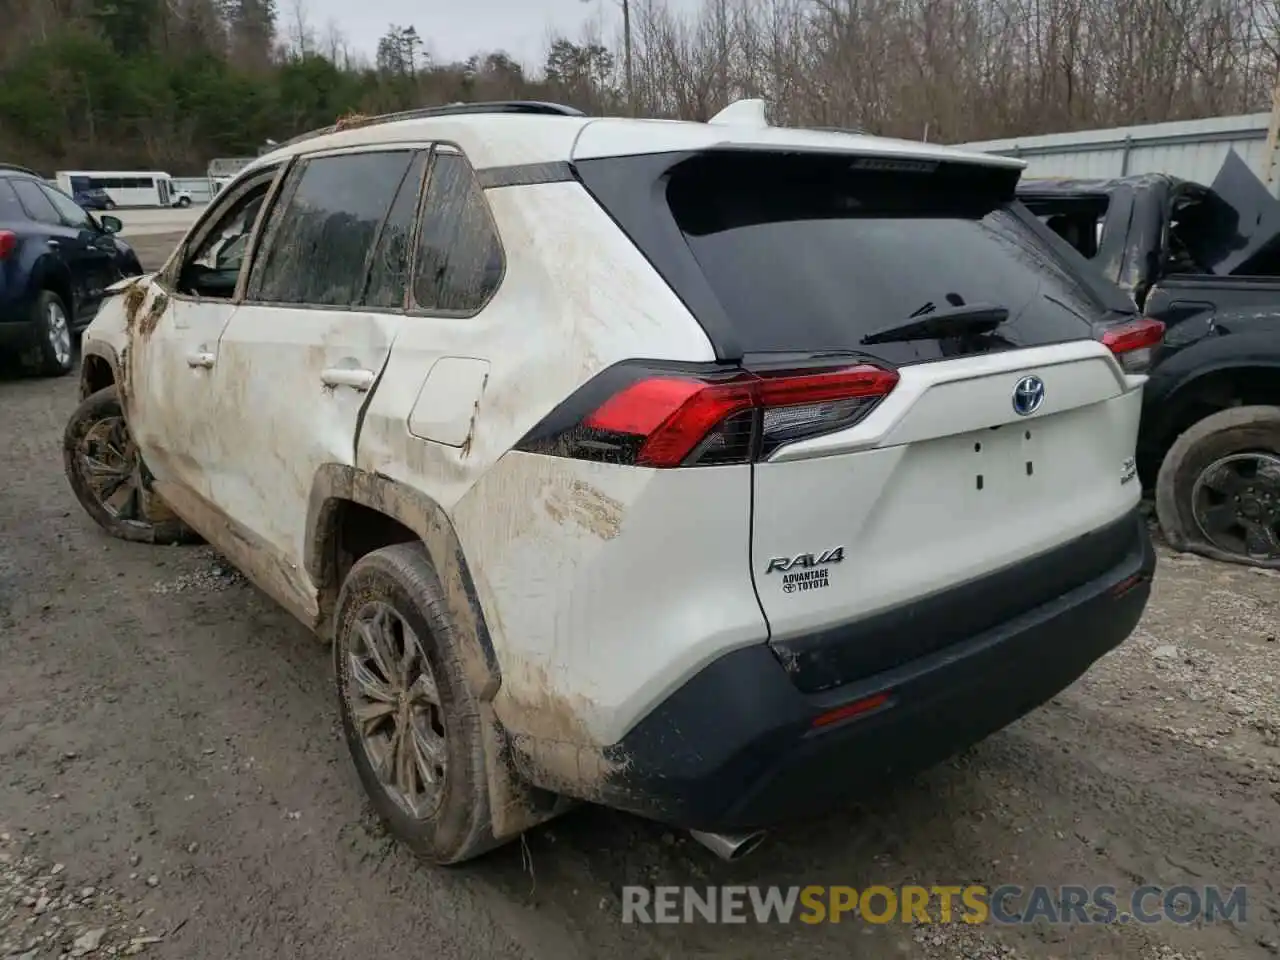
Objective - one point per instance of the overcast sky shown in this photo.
(454, 29)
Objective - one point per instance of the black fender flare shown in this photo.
(1171, 383)
(335, 483)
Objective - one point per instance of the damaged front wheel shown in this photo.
(109, 479)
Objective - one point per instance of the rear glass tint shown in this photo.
(810, 254)
(1077, 220)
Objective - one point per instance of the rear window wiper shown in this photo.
(955, 321)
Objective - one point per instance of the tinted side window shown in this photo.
(319, 241)
(459, 263)
(389, 272)
(35, 202)
(70, 211)
(10, 209)
(212, 268)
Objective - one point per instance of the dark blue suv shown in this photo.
(56, 261)
(94, 199)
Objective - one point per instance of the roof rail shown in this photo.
(535, 107)
(17, 169)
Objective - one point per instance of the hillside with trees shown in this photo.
(169, 84)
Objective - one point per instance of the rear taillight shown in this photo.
(662, 418)
(8, 243)
(1134, 344)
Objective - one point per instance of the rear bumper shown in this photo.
(735, 748)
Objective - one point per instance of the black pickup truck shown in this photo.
(1206, 262)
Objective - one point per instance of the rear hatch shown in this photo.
(938, 410)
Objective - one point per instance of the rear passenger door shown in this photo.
(442, 360)
(299, 359)
(173, 351)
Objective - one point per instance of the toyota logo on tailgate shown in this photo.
(1028, 394)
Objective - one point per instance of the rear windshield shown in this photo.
(1077, 220)
(811, 253)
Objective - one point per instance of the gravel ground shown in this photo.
(175, 784)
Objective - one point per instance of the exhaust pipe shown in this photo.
(729, 846)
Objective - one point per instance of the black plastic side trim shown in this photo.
(334, 483)
(524, 175)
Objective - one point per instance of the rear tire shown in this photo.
(1218, 490)
(108, 477)
(53, 351)
(410, 719)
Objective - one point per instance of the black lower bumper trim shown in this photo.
(839, 655)
(736, 748)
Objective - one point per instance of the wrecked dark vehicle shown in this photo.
(1206, 262)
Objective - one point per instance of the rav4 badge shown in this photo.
(805, 571)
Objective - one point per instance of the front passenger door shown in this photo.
(176, 327)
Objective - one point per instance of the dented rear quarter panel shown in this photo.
(556, 582)
(279, 422)
(606, 586)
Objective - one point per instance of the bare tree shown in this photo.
(301, 36)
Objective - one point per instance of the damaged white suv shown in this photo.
(714, 472)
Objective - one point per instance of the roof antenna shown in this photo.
(742, 113)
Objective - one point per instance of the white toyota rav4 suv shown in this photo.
(715, 472)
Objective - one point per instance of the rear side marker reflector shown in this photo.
(850, 710)
(1127, 584)
(1134, 344)
(665, 418)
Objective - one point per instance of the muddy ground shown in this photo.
(174, 783)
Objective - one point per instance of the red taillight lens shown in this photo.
(661, 419)
(1134, 344)
(8, 243)
(672, 416)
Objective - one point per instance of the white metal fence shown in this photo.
(1191, 149)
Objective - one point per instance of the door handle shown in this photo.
(201, 360)
(356, 378)
(53, 244)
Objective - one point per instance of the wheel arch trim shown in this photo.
(1169, 398)
(91, 355)
(335, 483)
